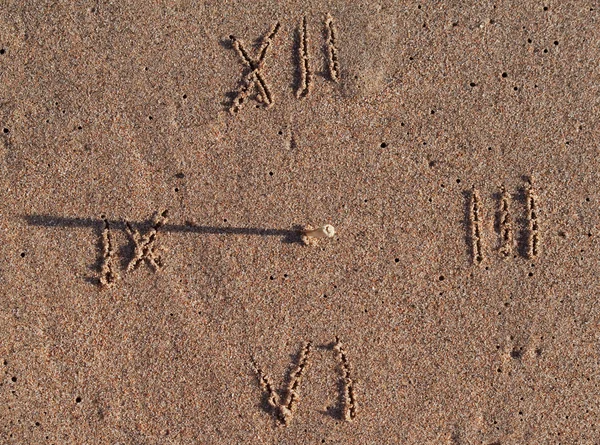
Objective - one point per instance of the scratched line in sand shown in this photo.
(304, 61)
(108, 273)
(332, 50)
(506, 225)
(533, 224)
(475, 220)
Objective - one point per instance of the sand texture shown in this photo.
(162, 162)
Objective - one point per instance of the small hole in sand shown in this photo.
(270, 173)
(176, 189)
(383, 145)
(545, 8)
(473, 84)
(431, 163)
(14, 379)
(396, 260)
(545, 50)
(6, 130)
(505, 74)
(530, 274)
(22, 254)
(78, 400)
(280, 132)
(441, 278)
(2, 51)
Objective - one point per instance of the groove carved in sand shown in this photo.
(285, 408)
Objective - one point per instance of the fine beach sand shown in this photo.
(452, 145)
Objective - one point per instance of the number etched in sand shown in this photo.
(253, 80)
(255, 76)
(526, 244)
(284, 406)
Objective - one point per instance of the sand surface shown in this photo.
(453, 146)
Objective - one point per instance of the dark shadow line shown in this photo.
(297, 61)
(497, 197)
(189, 227)
(468, 224)
(522, 224)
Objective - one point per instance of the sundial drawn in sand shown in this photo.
(144, 236)
(254, 88)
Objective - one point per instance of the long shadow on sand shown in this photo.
(289, 235)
